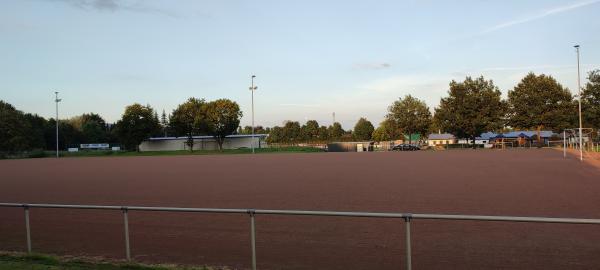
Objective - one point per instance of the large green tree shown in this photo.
(310, 130)
(591, 101)
(391, 128)
(36, 135)
(379, 134)
(323, 134)
(335, 131)
(92, 126)
(363, 129)
(137, 124)
(276, 135)
(13, 129)
(189, 120)
(291, 132)
(410, 115)
(68, 135)
(223, 118)
(20, 131)
(540, 102)
(386, 131)
(472, 107)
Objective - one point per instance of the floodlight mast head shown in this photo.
(253, 87)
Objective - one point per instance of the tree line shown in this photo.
(21, 131)
(471, 107)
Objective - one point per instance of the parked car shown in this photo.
(406, 147)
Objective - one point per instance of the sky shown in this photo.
(310, 58)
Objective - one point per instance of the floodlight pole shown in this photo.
(580, 96)
(252, 89)
(56, 100)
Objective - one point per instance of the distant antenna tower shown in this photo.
(333, 117)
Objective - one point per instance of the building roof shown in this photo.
(442, 136)
(517, 134)
(527, 133)
(207, 137)
(491, 135)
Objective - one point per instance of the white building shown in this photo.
(202, 143)
(440, 139)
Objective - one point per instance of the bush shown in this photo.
(37, 154)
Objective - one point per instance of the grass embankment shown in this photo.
(101, 153)
(15, 261)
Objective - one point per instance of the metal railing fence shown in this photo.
(406, 217)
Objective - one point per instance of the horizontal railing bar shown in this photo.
(314, 213)
(68, 206)
(178, 209)
(331, 213)
(130, 208)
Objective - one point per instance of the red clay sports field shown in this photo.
(528, 182)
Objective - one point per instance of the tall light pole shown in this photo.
(252, 89)
(57, 100)
(580, 96)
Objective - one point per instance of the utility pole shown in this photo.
(57, 100)
(580, 96)
(252, 89)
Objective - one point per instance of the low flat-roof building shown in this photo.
(440, 139)
(203, 143)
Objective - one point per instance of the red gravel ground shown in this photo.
(516, 182)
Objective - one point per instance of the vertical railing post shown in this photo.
(27, 228)
(407, 219)
(251, 212)
(126, 224)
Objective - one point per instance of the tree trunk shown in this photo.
(473, 138)
(220, 142)
(190, 142)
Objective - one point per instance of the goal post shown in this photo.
(574, 139)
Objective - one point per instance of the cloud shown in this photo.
(372, 66)
(540, 15)
(118, 5)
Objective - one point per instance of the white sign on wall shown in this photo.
(94, 145)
